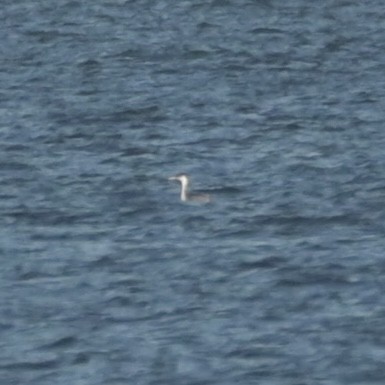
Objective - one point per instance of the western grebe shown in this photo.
(184, 193)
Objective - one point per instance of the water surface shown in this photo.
(276, 109)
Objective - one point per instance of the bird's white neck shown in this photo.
(184, 188)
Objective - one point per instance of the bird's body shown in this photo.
(185, 195)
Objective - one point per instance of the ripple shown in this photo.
(270, 262)
(63, 342)
(32, 365)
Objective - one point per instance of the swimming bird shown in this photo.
(185, 196)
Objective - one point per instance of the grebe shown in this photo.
(185, 196)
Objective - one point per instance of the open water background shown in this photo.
(277, 108)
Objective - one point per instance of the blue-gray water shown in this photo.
(276, 108)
